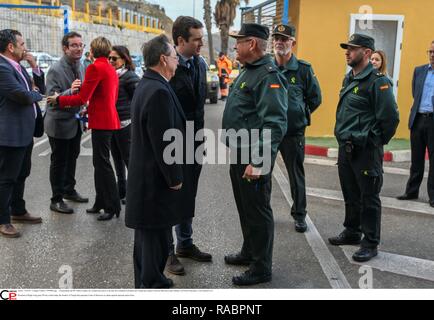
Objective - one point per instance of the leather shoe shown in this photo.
(248, 279)
(345, 238)
(9, 231)
(365, 254)
(194, 253)
(174, 266)
(300, 226)
(407, 196)
(237, 259)
(107, 216)
(26, 218)
(76, 197)
(61, 207)
(93, 210)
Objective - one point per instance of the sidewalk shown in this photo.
(398, 150)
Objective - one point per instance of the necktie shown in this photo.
(193, 70)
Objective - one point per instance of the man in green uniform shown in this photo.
(257, 102)
(304, 96)
(366, 120)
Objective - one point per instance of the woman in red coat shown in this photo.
(100, 91)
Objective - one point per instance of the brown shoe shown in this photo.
(9, 231)
(174, 266)
(26, 218)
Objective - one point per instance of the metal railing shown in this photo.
(268, 13)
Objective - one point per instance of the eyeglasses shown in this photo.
(77, 46)
(174, 57)
(430, 52)
(245, 40)
(113, 58)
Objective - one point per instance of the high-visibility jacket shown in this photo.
(224, 65)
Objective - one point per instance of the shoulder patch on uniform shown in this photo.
(384, 87)
(274, 86)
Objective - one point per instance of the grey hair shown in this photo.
(153, 49)
(262, 44)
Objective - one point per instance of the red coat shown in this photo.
(100, 88)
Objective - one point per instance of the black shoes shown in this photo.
(61, 207)
(194, 253)
(93, 210)
(300, 226)
(174, 266)
(407, 196)
(75, 197)
(237, 259)
(107, 216)
(345, 238)
(365, 254)
(248, 278)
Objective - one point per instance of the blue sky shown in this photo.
(175, 8)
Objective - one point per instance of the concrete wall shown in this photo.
(44, 32)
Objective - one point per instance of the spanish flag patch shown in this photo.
(386, 86)
(275, 86)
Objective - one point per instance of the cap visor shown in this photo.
(346, 45)
(280, 34)
(236, 35)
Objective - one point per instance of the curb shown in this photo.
(389, 156)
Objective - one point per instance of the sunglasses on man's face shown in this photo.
(113, 58)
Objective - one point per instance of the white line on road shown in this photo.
(328, 263)
(332, 163)
(395, 263)
(386, 202)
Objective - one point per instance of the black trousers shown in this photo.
(421, 137)
(15, 165)
(107, 196)
(120, 150)
(151, 249)
(64, 155)
(292, 150)
(256, 218)
(361, 178)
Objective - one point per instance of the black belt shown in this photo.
(426, 114)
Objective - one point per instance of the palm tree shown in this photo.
(208, 25)
(224, 14)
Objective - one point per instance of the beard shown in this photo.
(282, 52)
(356, 61)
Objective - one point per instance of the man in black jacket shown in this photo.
(189, 84)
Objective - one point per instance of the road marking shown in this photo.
(386, 202)
(83, 152)
(332, 163)
(328, 263)
(40, 142)
(395, 263)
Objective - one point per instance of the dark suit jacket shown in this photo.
(61, 123)
(17, 114)
(150, 201)
(419, 77)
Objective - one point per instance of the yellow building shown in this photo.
(403, 28)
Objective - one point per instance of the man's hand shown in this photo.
(52, 99)
(75, 87)
(252, 173)
(30, 59)
(177, 187)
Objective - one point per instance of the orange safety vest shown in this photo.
(224, 63)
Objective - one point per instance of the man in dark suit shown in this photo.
(18, 113)
(63, 128)
(421, 125)
(157, 187)
(189, 85)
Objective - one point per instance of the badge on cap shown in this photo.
(281, 28)
(352, 37)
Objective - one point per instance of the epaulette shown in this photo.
(271, 68)
(305, 63)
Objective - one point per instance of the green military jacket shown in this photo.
(258, 100)
(367, 113)
(304, 94)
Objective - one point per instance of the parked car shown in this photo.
(212, 84)
(43, 60)
(139, 63)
